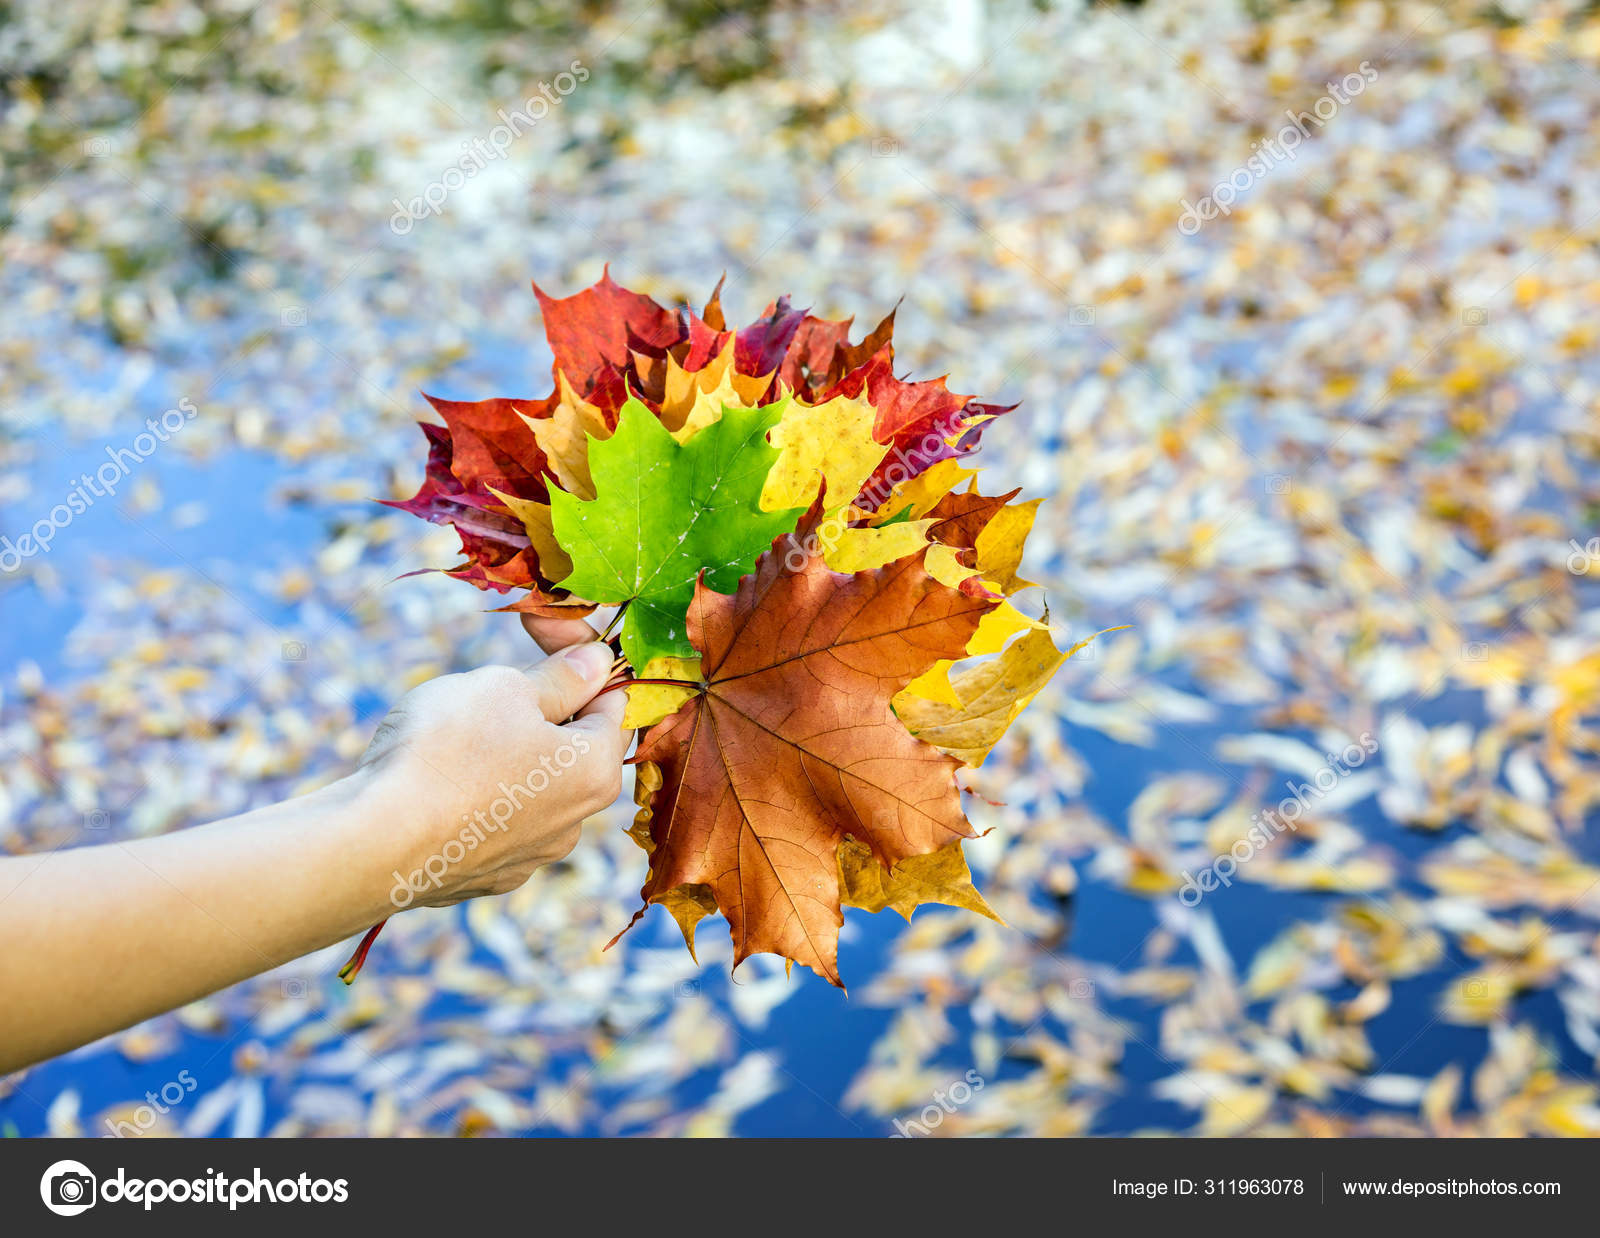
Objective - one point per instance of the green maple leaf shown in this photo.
(665, 511)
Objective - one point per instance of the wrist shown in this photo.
(375, 823)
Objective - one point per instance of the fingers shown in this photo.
(601, 721)
(598, 717)
(554, 634)
(568, 679)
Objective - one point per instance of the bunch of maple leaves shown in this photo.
(803, 569)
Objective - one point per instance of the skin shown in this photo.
(99, 938)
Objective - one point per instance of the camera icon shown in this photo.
(1474, 316)
(686, 988)
(1475, 651)
(1081, 315)
(1279, 483)
(885, 148)
(294, 988)
(97, 148)
(294, 316)
(1081, 987)
(98, 819)
(68, 1188)
(294, 651)
(1476, 989)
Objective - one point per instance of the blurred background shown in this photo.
(1301, 300)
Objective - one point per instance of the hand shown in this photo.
(487, 777)
(473, 782)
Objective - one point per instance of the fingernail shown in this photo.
(593, 660)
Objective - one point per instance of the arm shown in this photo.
(472, 782)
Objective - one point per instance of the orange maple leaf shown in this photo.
(789, 746)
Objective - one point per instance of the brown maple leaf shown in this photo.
(962, 517)
(789, 746)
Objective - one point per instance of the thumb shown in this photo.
(567, 681)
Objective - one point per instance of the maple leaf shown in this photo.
(915, 497)
(861, 550)
(997, 550)
(981, 538)
(923, 422)
(789, 746)
(539, 526)
(693, 399)
(959, 519)
(665, 512)
(940, 876)
(805, 719)
(987, 697)
(828, 443)
(443, 499)
(483, 452)
(563, 435)
(610, 344)
(821, 353)
(761, 346)
(595, 328)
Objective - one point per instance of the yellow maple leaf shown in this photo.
(994, 629)
(862, 550)
(988, 698)
(649, 703)
(831, 440)
(564, 438)
(998, 549)
(693, 399)
(922, 493)
(939, 876)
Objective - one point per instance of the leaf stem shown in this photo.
(623, 683)
(350, 970)
(615, 619)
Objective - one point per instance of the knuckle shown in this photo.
(562, 844)
(507, 880)
(564, 676)
(509, 687)
(587, 780)
(603, 783)
(496, 678)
